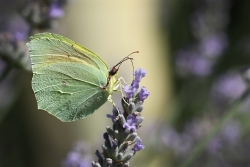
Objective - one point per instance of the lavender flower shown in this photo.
(139, 74)
(192, 63)
(41, 15)
(76, 159)
(13, 33)
(112, 116)
(229, 136)
(138, 146)
(208, 24)
(131, 90)
(130, 125)
(214, 45)
(55, 11)
(180, 143)
(231, 133)
(78, 156)
(228, 87)
(143, 93)
(214, 145)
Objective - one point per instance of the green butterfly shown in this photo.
(69, 81)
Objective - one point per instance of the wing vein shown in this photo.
(78, 79)
(77, 106)
(83, 102)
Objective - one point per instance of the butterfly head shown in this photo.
(115, 69)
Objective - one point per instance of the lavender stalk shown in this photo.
(121, 141)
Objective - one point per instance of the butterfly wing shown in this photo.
(66, 77)
(49, 48)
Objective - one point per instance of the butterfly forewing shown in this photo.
(67, 78)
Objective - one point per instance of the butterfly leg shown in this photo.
(119, 80)
(119, 85)
(111, 101)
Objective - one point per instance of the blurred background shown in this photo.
(195, 52)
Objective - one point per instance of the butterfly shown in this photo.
(69, 81)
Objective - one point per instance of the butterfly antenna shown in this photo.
(115, 68)
(125, 59)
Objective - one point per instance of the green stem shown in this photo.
(203, 143)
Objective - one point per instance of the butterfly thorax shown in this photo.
(111, 83)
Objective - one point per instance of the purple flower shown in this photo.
(200, 66)
(19, 36)
(78, 156)
(190, 62)
(228, 87)
(169, 137)
(138, 146)
(213, 46)
(56, 11)
(231, 132)
(214, 145)
(131, 123)
(73, 159)
(139, 74)
(112, 117)
(143, 93)
(180, 143)
(130, 90)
